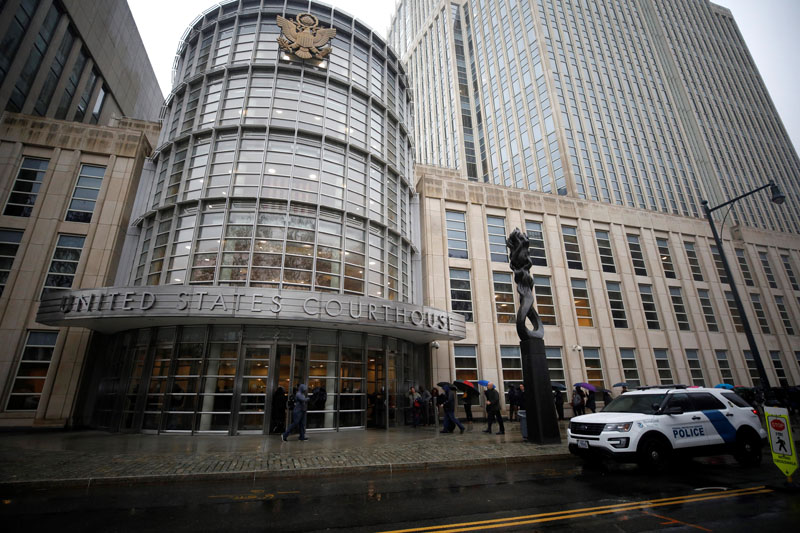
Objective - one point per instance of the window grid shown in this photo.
(555, 365)
(9, 244)
(571, 247)
(663, 367)
(496, 227)
(617, 304)
(466, 362)
(512, 367)
(695, 368)
(543, 300)
(752, 368)
(32, 371)
(649, 306)
(724, 366)
(635, 247)
(504, 297)
(536, 249)
(787, 265)
(666, 258)
(580, 298)
(777, 362)
(767, 270)
(26, 187)
(64, 263)
(594, 367)
(746, 274)
(604, 248)
(755, 299)
(723, 277)
(461, 293)
(456, 235)
(630, 370)
(84, 196)
(694, 263)
(676, 295)
(787, 322)
(708, 310)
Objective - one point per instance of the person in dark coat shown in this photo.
(493, 408)
(450, 419)
(578, 401)
(591, 404)
(558, 398)
(298, 413)
(278, 416)
(513, 402)
(607, 399)
(426, 405)
(467, 402)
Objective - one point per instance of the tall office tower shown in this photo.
(76, 89)
(599, 127)
(275, 238)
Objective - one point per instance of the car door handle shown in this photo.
(695, 418)
(729, 414)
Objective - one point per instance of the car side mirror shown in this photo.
(674, 410)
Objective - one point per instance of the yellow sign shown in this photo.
(784, 454)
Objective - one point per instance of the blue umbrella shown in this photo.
(483, 382)
(724, 386)
(620, 384)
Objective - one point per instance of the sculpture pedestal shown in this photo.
(538, 401)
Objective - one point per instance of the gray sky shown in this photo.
(770, 29)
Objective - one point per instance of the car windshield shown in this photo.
(634, 403)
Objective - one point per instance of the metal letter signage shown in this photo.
(517, 244)
(304, 38)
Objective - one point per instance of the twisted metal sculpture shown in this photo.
(517, 244)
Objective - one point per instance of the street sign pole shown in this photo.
(784, 454)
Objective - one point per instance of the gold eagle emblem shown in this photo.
(304, 37)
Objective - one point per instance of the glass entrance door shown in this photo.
(253, 395)
(377, 400)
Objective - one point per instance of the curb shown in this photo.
(254, 475)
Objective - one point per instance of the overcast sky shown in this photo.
(771, 29)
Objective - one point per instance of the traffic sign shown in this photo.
(784, 454)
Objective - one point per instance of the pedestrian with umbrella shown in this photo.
(469, 393)
(449, 404)
(623, 385)
(578, 401)
(558, 398)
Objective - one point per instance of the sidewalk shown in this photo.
(83, 458)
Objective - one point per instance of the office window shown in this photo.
(694, 263)
(594, 367)
(466, 361)
(662, 365)
(617, 304)
(752, 368)
(461, 293)
(723, 278)
(54, 73)
(497, 238)
(649, 306)
(755, 299)
(84, 197)
(787, 265)
(536, 248)
(26, 187)
(630, 370)
(571, 247)
(742, 259)
(635, 247)
(456, 235)
(666, 258)
(583, 307)
(32, 371)
(9, 244)
(767, 270)
(504, 298)
(15, 33)
(604, 247)
(724, 366)
(787, 322)
(543, 300)
(777, 362)
(64, 263)
(695, 368)
(676, 295)
(555, 365)
(708, 310)
(512, 367)
(734, 311)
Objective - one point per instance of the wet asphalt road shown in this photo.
(712, 494)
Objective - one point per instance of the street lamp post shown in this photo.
(778, 198)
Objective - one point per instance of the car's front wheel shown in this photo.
(653, 453)
(748, 449)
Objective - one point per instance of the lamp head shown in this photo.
(777, 196)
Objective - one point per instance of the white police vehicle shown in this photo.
(650, 424)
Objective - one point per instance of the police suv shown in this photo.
(650, 424)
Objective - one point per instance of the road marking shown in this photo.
(578, 513)
(672, 521)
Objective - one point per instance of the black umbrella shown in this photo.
(466, 386)
(444, 384)
(557, 386)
